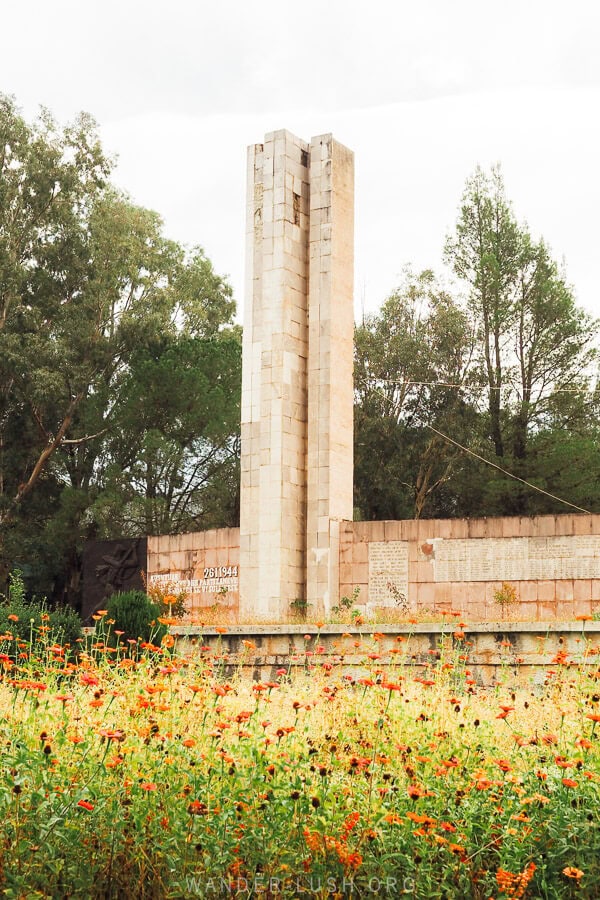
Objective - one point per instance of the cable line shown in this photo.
(505, 472)
(534, 487)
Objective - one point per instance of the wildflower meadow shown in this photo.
(129, 770)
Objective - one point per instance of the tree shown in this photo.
(171, 463)
(533, 338)
(524, 356)
(534, 343)
(48, 182)
(412, 370)
(88, 284)
(485, 253)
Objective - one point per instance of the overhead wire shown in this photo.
(488, 462)
(458, 384)
(534, 487)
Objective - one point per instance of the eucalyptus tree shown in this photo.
(88, 284)
(533, 339)
(412, 370)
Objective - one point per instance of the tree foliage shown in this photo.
(405, 358)
(118, 362)
(522, 358)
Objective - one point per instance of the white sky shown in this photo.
(422, 92)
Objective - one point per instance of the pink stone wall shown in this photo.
(187, 560)
(538, 599)
(203, 564)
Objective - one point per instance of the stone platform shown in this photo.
(518, 652)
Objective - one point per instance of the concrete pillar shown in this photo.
(297, 389)
(330, 457)
(274, 389)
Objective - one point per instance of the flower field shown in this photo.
(130, 771)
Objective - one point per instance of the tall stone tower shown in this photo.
(297, 388)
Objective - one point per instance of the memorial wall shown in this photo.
(551, 563)
(202, 565)
(427, 566)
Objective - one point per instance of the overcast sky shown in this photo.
(422, 92)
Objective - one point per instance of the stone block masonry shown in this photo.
(330, 365)
(434, 566)
(297, 392)
(297, 549)
(426, 567)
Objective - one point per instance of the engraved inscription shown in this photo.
(388, 572)
(217, 579)
(516, 559)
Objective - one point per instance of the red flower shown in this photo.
(85, 804)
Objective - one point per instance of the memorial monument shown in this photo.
(297, 550)
(297, 387)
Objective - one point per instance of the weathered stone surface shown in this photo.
(297, 390)
(525, 649)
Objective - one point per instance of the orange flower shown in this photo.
(112, 734)
(168, 640)
(569, 782)
(12, 617)
(85, 804)
(148, 786)
(514, 884)
(456, 848)
(220, 690)
(393, 819)
(414, 791)
(420, 819)
(197, 808)
(572, 872)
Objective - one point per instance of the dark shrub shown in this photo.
(65, 625)
(23, 618)
(136, 615)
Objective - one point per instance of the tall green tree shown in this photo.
(533, 339)
(412, 370)
(172, 463)
(486, 253)
(88, 284)
(534, 344)
(49, 180)
(525, 358)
